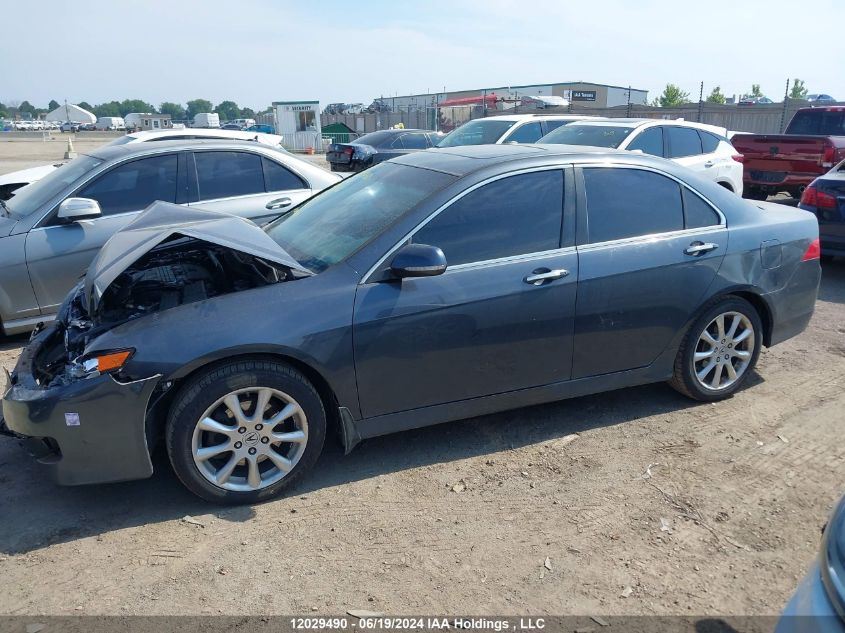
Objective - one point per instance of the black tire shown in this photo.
(202, 391)
(684, 379)
(752, 193)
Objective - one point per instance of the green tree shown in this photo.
(228, 110)
(112, 108)
(134, 105)
(195, 106)
(175, 110)
(3, 111)
(27, 107)
(755, 91)
(798, 90)
(673, 96)
(53, 105)
(716, 96)
(247, 113)
(86, 106)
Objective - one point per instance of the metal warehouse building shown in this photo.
(580, 93)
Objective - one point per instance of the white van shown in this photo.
(110, 123)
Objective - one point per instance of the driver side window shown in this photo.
(133, 186)
(517, 215)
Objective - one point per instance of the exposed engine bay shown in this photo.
(179, 271)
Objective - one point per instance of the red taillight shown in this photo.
(738, 158)
(814, 251)
(812, 197)
(828, 157)
(348, 150)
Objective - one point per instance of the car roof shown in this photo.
(538, 117)
(108, 152)
(465, 159)
(634, 123)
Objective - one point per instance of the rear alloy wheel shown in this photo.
(245, 431)
(719, 351)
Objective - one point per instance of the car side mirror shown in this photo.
(418, 260)
(73, 209)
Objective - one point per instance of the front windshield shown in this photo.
(478, 132)
(34, 196)
(595, 135)
(331, 226)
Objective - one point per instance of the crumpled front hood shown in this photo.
(162, 220)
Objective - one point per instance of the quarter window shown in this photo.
(709, 142)
(683, 141)
(516, 215)
(649, 142)
(226, 174)
(415, 140)
(135, 185)
(623, 203)
(278, 178)
(528, 133)
(697, 213)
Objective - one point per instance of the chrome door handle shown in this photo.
(709, 163)
(699, 248)
(278, 203)
(537, 278)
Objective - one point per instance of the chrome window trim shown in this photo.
(560, 167)
(651, 237)
(102, 217)
(489, 263)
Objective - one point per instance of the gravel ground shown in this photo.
(643, 502)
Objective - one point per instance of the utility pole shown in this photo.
(700, 101)
(785, 102)
(628, 112)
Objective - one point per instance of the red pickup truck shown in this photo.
(813, 142)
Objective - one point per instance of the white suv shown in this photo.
(702, 148)
(511, 128)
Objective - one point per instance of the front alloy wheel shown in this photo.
(249, 439)
(245, 431)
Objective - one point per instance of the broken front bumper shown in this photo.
(87, 431)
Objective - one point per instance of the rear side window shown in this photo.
(683, 141)
(709, 142)
(135, 185)
(227, 174)
(649, 142)
(516, 215)
(697, 213)
(279, 178)
(623, 203)
(553, 125)
(528, 133)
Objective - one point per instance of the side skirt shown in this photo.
(354, 431)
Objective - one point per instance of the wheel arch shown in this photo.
(752, 296)
(159, 407)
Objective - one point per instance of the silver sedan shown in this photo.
(51, 230)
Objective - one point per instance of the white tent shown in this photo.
(73, 113)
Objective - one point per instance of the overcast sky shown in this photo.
(258, 51)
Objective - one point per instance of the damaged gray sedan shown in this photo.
(437, 286)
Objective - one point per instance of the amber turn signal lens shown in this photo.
(112, 360)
